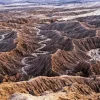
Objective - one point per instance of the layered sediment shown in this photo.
(44, 58)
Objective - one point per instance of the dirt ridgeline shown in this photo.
(72, 61)
(38, 86)
(67, 71)
(59, 40)
(10, 61)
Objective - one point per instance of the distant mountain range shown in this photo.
(45, 1)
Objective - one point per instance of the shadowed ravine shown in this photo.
(38, 51)
(45, 58)
(3, 37)
(7, 40)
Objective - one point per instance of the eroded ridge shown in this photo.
(50, 53)
(46, 86)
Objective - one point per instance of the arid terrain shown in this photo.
(50, 52)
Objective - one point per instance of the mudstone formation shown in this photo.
(44, 58)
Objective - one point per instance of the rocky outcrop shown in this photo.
(48, 59)
(63, 84)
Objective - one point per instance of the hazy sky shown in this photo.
(12, 0)
(44, 0)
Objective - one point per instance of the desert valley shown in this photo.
(50, 52)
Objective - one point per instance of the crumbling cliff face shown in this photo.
(63, 61)
(42, 58)
(40, 86)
